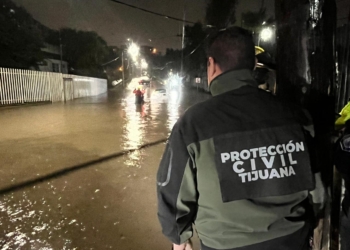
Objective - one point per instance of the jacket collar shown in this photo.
(232, 80)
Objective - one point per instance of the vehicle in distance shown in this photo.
(144, 82)
(159, 94)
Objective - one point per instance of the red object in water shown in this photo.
(137, 92)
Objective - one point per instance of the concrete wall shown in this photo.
(87, 86)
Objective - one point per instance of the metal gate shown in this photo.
(68, 88)
(343, 53)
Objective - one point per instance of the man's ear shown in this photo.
(211, 68)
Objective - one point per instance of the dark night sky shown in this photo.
(115, 23)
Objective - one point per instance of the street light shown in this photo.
(134, 51)
(265, 35)
(144, 64)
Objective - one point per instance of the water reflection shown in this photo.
(175, 97)
(134, 128)
(158, 112)
(173, 115)
(28, 223)
(66, 215)
(152, 120)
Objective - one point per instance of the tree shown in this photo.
(221, 13)
(254, 19)
(114, 66)
(173, 59)
(195, 48)
(85, 51)
(194, 53)
(21, 37)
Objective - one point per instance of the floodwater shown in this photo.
(106, 205)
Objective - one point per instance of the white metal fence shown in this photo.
(25, 86)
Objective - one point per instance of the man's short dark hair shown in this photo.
(232, 49)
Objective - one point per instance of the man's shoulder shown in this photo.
(197, 111)
(194, 119)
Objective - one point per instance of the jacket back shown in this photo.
(238, 166)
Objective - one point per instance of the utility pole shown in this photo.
(183, 38)
(61, 51)
(306, 76)
(123, 68)
(140, 67)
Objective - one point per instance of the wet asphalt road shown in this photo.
(109, 205)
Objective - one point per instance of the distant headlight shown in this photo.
(174, 95)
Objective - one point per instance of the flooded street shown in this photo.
(96, 203)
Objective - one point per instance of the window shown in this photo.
(55, 67)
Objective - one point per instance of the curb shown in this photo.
(20, 105)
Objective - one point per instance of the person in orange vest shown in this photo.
(138, 95)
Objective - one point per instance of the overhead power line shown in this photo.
(115, 59)
(156, 13)
(199, 45)
(172, 18)
(203, 41)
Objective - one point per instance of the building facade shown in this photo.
(343, 14)
(52, 61)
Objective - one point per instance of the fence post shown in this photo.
(49, 88)
(25, 85)
(10, 81)
(64, 89)
(21, 84)
(7, 87)
(1, 87)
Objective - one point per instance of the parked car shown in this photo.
(159, 94)
(144, 82)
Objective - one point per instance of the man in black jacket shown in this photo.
(342, 162)
(237, 166)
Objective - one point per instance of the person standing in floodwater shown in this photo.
(138, 95)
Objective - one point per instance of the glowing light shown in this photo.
(115, 83)
(134, 51)
(174, 80)
(173, 114)
(266, 34)
(174, 95)
(144, 64)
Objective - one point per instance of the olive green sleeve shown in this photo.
(176, 190)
